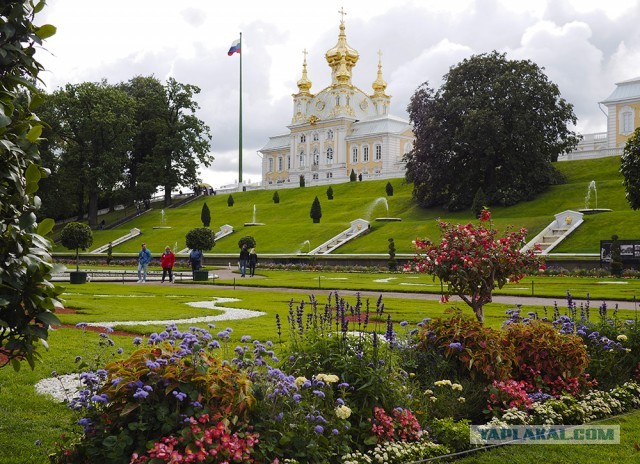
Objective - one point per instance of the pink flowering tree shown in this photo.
(473, 260)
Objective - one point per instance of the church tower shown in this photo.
(342, 59)
(381, 100)
(302, 99)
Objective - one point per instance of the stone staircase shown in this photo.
(357, 228)
(562, 226)
(133, 233)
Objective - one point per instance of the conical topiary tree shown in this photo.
(316, 211)
(230, 200)
(330, 193)
(205, 215)
(276, 197)
(301, 181)
(352, 176)
(389, 189)
(74, 236)
(393, 264)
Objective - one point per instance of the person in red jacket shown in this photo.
(167, 260)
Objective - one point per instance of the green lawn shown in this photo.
(288, 226)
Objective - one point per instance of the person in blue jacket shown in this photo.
(144, 258)
(195, 259)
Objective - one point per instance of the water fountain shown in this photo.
(307, 243)
(587, 201)
(163, 219)
(253, 221)
(387, 218)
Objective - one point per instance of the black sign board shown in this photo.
(629, 251)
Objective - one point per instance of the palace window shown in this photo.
(288, 162)
(316, 157)
(354, 154)
(407, 148)
(315, 176)
(329, 155)
(303, 138)
(378, 152)
(365, 153)
(270, 164)
(301, 163)
(329, 134)
(280, 161)
(329, 175)
(315, 136)
(627, 122)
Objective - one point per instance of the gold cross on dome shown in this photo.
(342, 13)
(305, 52)
(380, 56)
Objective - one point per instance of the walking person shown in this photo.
(167, 260)
(195, 259)
(144, 258)
(253, 260)
(244, 260)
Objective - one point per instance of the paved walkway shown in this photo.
(525, 301)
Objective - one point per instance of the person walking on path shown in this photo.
(195, 259)
(253, 260)
(244, 260)
(144, 258)
(167, 260)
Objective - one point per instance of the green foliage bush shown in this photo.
(200, 238)
(316, 210)
(276, 197)
(353, 177)
(75, 236)
(389, 189)
(330, 193)
(247, 240)
(230, 200)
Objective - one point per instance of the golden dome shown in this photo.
(342, 58)
(304, 84)
(379, 85)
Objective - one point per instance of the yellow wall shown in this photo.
(621, 139)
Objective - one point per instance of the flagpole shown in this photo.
(240, 122)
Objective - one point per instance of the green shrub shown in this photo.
(330, 193)
(75, 236)
(247, 240)
(276, 197)
(302, 183)
(230, 200)
(479, 202)
(353, 177)
(205, 215)
(389, 189)
(316, 210)
(200, 238)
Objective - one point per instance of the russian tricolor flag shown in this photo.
(235, 47)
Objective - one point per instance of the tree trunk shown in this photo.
(93, 209)
(80, 210)
(479, 310)
(167, 195)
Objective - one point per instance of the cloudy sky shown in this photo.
(585, 46)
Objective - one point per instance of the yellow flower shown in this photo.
(300, 381)
(461, 399)
(622, 338)
(433, 399)
(343, 412)
(456, 386)
(329, 378)
(428, 392)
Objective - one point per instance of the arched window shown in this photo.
(280, 163)
(315, 136)
(408, 147)
(329, 134)
(329, 155)
(288, 162)
(365, 153)
(270, 164)
(316, 157)
(354, 154)
(303, 138)
(301, 159)
(378, 152)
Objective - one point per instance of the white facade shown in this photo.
(337, 130)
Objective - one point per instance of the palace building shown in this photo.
(338, 130)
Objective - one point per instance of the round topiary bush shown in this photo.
(200, 238)
(76, 235)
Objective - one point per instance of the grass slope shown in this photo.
(288, 226)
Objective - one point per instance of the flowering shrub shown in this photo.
(401, 425)
(508, 394)
(445, 400)
(146, 397)
(474, 260)
(397, 452)
(205, 440)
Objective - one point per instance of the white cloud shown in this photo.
(585, 46)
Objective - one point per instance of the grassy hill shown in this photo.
(288, 226)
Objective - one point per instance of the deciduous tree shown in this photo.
(630, 169)
(495, 123)
(473, 260)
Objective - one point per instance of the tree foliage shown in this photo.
(630, 169)
(479, 202)
(205, 215)
(75, 236)
(330, 193)
(353, 177)
(389, 189)
(230, 200)
(496, 124)
(247, 240)
(316, 210)
(473, 260)
(200, 238)
(276, 197)
(27, 297)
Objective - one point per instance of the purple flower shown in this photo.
(335, 431)
(318, 393)
(455, 346)
(404, 324)
(245, 338)
(137, 341)
(318, 429)
(140, 394)
(81, 325)
(179, 395)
